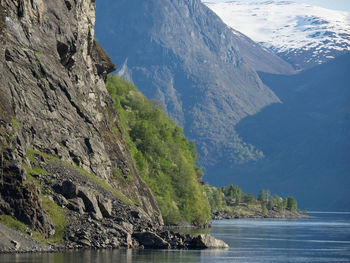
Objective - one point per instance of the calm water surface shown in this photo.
(325, 238)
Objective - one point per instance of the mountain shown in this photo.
(180, 53)
(302, 34)
(67, 177)
(305, 139)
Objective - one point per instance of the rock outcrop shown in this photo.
(207, 241)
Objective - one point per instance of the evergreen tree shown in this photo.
(292, 204)
(263, 208)
(250, 198)
(262, 196)
(279, 204)
(270, 204)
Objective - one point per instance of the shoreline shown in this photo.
(227, 216)
(13, 242)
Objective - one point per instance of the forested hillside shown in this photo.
(164, 157)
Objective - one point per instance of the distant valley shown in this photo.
(305, 140)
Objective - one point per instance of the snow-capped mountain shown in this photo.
(302, 34)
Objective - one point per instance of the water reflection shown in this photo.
(114, 256)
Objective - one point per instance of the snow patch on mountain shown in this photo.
(295, 31)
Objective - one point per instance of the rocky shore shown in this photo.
(95, 217)
(13, 242)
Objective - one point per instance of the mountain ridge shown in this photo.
(302, 34)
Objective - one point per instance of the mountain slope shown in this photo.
(180, 53)
(302, 34)
(259, 57)
(305, 139)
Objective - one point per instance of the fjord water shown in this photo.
(324, 238)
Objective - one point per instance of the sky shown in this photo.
(343, 5)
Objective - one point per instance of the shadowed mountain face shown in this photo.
(306, 140)
(182, 54)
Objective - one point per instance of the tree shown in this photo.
(238, 198)
(250, 198)
(270, 204)
(217, 201)
(280, 205)
(261, 196)
(292, 204)
(285, 203)
(263, 208)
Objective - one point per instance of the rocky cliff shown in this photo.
(182, 54)
(59, 135)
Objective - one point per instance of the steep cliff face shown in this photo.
(182, 54)
(54, 103)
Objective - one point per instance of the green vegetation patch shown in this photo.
(55, 212)
(103, 184)
(233, 200)
(58, 218)
(31, 154)
(15, 124)
(16, 225)
(125, 178)
(56, 215)
(12, 223)
(163, 156)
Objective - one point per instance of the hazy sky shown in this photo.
(343, 5)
